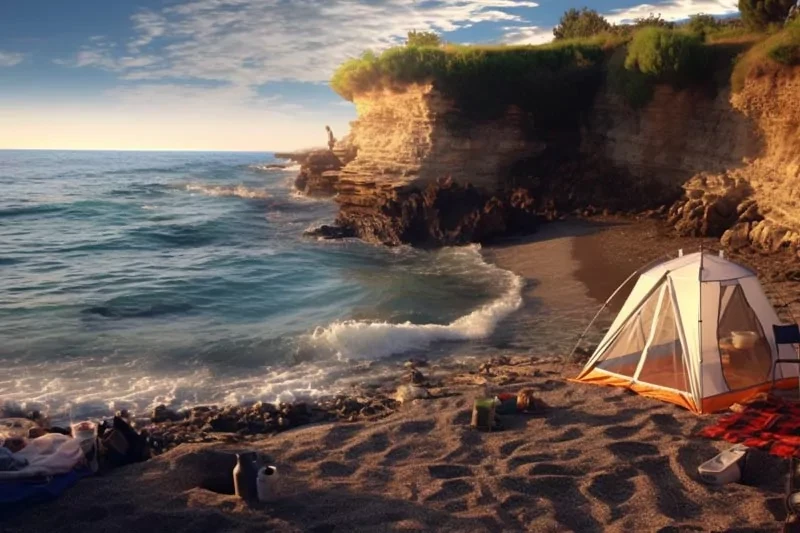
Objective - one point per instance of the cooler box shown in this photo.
(724, 468)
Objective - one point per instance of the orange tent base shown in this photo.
(709, 405)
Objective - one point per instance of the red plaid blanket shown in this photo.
(771, 425)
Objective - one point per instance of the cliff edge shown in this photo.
(426, 169)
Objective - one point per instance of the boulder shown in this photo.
(737, 237)
(407, 393)
(162, 414)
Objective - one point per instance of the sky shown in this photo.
(249, 75)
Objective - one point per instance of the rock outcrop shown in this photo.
(422, 170)
(320, 169)
(756, 203)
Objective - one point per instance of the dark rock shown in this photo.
(162, 414)
(330, 232)
(415, 376)
(223, 424)
(444, 213)
(264, 408)
(416, 363)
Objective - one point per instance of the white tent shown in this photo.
(695, 331)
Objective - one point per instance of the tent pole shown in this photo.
(605, 304)
(700, 327)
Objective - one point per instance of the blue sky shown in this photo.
(229, 74)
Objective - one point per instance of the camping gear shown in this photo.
(786, 334)
(47, 456)
(483, 412)
(695, 331)
(8, 461)
(120, 444)
(86, 433)
(505, 404)
(245, 475)
(266, 483)
(38, 489)
(726, 467)
(770, 425)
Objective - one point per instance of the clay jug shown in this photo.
(245, 475)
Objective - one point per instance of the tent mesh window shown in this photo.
(623, 354)
(663, 364)
(744, 349)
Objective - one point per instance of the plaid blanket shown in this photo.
(771, 425)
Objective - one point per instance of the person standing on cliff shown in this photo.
(331, 138)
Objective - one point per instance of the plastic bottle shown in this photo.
(267, 483)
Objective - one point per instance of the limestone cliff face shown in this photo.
(427, 172)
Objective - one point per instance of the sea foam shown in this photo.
(239, 191)
(360, 339)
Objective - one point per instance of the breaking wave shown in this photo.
(360, 339)
(239, 191)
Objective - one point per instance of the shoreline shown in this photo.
(596, 459)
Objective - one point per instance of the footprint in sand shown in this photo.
(630, 449)
(376, 443)
(416, 426)
(449, 471)
(334, 469)
(455, 488)
(521, 460)
(338, 436)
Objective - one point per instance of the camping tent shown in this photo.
(695, 331)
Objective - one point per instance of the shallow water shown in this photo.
(129, 279)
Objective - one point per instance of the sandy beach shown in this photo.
(597, 459)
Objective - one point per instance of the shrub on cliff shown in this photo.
(575, 24)
(423, 38)
(703, 24)
(777, 51)
(667, 55)
(759, 14)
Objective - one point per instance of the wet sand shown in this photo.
(598, 459)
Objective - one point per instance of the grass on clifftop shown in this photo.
(453, 65)
(781, 49)
(563, 76)
(554, 82)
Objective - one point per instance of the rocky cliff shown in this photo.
(426, 171)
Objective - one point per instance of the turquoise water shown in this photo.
(129, 279)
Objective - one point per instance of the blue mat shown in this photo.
(39, 489)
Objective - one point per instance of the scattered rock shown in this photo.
(330, 232)
(406, 393)
(162, 414)
(415, 376)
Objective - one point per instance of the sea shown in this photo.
(133, 279)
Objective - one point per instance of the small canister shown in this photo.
(267, 483)
(483, 414)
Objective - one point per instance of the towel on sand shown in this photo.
(771, 425)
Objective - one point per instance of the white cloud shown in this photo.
(10, 59)
(528, 35)
(252, 42)
(673, 10)
(668, 10)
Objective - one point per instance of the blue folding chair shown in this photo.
(785, 334)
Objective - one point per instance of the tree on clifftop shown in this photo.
(758, 14)
(423, 38)
(580, 23)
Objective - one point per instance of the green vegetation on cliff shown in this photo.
(704, 52)
(781, 49)
(451, 66)
(759, 14)
(555, 82)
